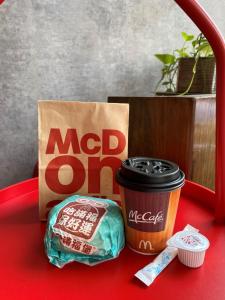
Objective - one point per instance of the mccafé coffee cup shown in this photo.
(150, 190)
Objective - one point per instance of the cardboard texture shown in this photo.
(81, 145)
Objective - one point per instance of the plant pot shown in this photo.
(204, 79)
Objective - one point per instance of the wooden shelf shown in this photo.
(177, 128)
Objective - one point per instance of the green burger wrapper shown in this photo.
(84, 229)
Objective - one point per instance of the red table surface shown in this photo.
(25, 272)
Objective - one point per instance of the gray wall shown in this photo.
(78, 49)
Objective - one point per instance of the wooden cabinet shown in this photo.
(180, 129)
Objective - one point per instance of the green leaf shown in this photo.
(187, 37)
(205, 50)
(194, 43)
(166, 59)
(182, 52)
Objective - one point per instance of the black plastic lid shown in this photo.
(149, 174)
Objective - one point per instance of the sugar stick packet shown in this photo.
(148, 274)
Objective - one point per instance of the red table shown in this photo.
(25, 272)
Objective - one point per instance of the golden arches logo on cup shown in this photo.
(150, 191)
(146, 245)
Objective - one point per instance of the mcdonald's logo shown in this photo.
(145, 245)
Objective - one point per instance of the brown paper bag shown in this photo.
(81, 145)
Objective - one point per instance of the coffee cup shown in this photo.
(150, 191)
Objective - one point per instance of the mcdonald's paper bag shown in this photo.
(81, 145)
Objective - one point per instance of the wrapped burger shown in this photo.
(84, 229)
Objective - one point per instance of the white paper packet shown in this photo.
(148, 274)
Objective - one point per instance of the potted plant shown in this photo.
(190, 69)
